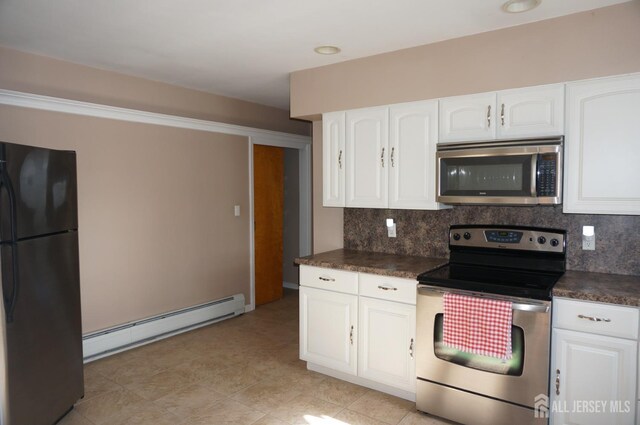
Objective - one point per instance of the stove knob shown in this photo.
(467, 235)
(554, 242)
(542, 240)
(456, 236)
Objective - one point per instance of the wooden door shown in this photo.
(268, 196)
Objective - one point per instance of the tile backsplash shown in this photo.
(425, 233)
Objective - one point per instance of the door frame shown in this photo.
(303, 145)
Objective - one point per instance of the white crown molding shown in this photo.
(56, 104)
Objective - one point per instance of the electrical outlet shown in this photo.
(588, 238)
(391, 231)
(391, 228)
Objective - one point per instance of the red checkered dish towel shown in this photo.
(477, 325)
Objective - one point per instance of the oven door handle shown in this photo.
(516, 303)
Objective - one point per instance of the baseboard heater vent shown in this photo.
(133, 334)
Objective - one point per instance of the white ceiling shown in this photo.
(246, 48)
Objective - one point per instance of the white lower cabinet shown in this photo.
(386, 343)
(362, 333)
(593, 375)
(328, 329)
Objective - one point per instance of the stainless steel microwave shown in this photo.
(513, 172)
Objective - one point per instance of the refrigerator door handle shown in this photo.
(5, 182)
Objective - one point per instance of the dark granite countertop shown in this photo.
(599, 287)
(588, 286)
(373, 262)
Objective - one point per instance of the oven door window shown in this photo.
(486, 176)
(511, 367)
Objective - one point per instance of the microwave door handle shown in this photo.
(534, 175)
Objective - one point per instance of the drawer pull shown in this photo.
(387, 288)
(411, 348)
(557, 381)
(327, 279)
(351, 335)
(593, 318)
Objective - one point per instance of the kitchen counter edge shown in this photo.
(599, 287)
(403, 266)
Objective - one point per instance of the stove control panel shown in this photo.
(501, 237)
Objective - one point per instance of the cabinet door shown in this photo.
(531, 112)
(468, 118)
(412, 156)
(328, 329)
(333, 159)
(387, 341)
(367, 157)
(596, 376)
(602, 146)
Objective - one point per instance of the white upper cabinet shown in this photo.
(602, 146)
(508, 114)
(367, 156)
(465, 118)
(333, 165)
(532, 111)
(412, 142)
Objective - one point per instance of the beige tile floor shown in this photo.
(243, 370)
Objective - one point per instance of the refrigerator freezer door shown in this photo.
(44, 370)
(44, 182)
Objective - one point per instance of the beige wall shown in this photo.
(50, 77)
(157, 230)
(327, 222)
(156, 224)
(591, 44)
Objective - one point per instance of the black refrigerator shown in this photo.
(41, 374)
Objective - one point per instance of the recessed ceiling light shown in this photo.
(518, 6)
(327, 50)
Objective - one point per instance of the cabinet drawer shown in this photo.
(330, 279)
(596, 318)
(388, 288)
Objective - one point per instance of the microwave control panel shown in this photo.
(546, 175)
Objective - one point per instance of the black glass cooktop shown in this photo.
(503, 281)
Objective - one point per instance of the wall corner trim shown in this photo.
(55, 104)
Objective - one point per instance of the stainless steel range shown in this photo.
(516, 264)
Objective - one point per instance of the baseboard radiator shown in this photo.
(110, 341)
